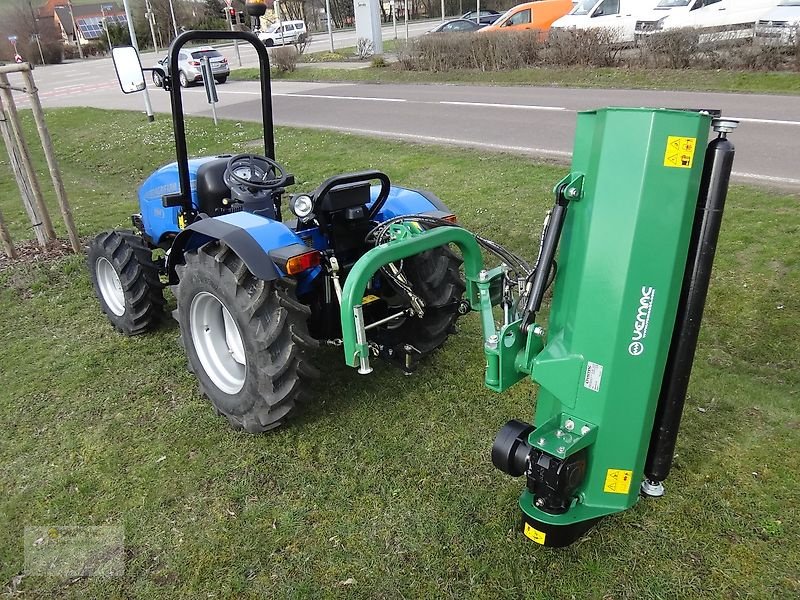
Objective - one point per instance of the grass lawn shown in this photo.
(382, 487)
(656, 79)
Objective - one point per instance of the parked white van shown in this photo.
(620, 16)
(722, 20)
(664, 9)
(283, 32)
(781, 25)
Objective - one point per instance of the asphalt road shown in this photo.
(527, 120)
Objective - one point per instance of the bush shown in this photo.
(756, 57)
(587, 47)
(52, 51)
(285, 59)
(379, 61)
(302, 42)
(486, 52)
(364, 48)
(674, 49)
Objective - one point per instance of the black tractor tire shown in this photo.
(183, 80)
(126, 281)
(270, 334)
(221, 80)
(435, 276)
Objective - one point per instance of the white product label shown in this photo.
(594, 374)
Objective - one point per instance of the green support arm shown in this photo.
(409, 241)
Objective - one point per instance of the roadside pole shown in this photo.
(76, 31)
(442, 11)
(36, 31)
(174, 22)
(393, 4)
(147, 106)
(228, 4)
(151, 19)
(330, 27)
(105, 26)
(280, 23)
(405, 15)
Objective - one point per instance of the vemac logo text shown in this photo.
(636, 346)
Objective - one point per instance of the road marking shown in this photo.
(439, 140)
(496, 105)
(768, 178)
(344, 97)
(557, 154)
(767, 121)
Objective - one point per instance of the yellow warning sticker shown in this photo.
(680, 152)
(369, 298)
(534, 534)
(618, 481)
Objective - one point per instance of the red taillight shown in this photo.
(301, 262)
(194, 63)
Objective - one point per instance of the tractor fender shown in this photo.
(407, 201)
(250, 236)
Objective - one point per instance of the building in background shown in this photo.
(88, 18)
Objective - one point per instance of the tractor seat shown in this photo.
(211, 188)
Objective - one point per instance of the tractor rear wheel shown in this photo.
(435, 277)
(246, 339)
(126, 281)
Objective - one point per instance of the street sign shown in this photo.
(228, 3)
(12, 39)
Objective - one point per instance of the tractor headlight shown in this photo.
(301, 206)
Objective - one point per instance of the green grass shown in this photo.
(385, 480)
(660, 79)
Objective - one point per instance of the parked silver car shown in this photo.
(190, 66)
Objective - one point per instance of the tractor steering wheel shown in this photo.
(256, 172)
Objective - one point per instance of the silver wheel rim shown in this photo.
(110, 286)
(217, 342)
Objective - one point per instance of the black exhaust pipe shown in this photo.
(697, 277)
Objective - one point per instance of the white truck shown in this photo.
(618, 16)
(781, 25)
(722, 20)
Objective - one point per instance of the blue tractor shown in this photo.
(256, 292)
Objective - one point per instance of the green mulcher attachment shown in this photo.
(635, 226)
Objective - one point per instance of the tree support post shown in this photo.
(52, 161)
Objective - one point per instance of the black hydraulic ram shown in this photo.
(547, 253)
(697, 276)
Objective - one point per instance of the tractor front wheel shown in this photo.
(246, 339)
(126, 281)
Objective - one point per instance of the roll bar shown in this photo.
(183, 198)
